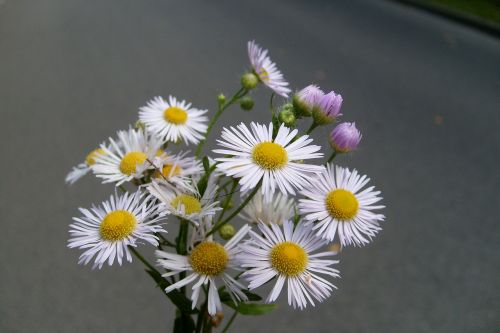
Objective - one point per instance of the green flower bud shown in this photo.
(227, 231)
(246, 103)
(287, 117)
(140, 125)
(249, 81)
(320, 118)
(221, 99)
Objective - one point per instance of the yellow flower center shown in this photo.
(130, 161)
(264, 75)
(288, 258)
(270, 155)
(342, 204)
(209, 258)
(117, 225)
(191, 204)
(168, 170)
(90, 159)
(175, 115)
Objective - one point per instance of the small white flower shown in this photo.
(338, 204)
(287, 255)
(186, 203)
(127, 158)
(83, 168)
(207, 263)
(266, 70)
(256, 155)
(174, 120)
(278, 209)
(180, 170)
(104, 232)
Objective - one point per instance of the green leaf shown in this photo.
(251, 309)
(179, 300)
(206, 165)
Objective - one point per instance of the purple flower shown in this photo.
(345, 137)
(308, 98)
(330, 104)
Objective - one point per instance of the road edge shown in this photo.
(466, 19)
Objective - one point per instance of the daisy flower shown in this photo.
(256, 155)
(278, 209)
(287, 255)
(174, 120)
(83, 168)
(179, 169)
(186, 203)
(127, 158)
(207, 263)
(104, 232)
(339, 205)
(266, 70)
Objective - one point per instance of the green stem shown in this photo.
(271, 107)
(228, 200)
(240, 93)
(332, 157)
(313, 126)
(165, 241)
(201, 317)
(141, 258)
(233, 214)
(230, 322)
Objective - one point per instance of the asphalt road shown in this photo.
(424, 91)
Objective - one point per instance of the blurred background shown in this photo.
(423, 89)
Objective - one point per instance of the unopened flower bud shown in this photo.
(140, 125)
(227, 231)
(345, 137)
(221, 99)
(249, 81)
(305, 100)
(246, 103)
(328, 109)
(287, 117)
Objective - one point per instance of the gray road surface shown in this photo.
(424, 91)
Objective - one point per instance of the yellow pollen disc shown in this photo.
(129, 162)
(288, 258)
(117, 225)
(90, 159)
(209, 258)
(342, 204)
(270, 155)
(175, 115)
(167, 168)
(263, 74)
(191, 204)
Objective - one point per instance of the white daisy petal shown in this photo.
(255, 157)
(337, 205)
(106, 232)
(174, 120)
(286, 255)
(266, 70)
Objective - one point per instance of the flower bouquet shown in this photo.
(298, 215)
